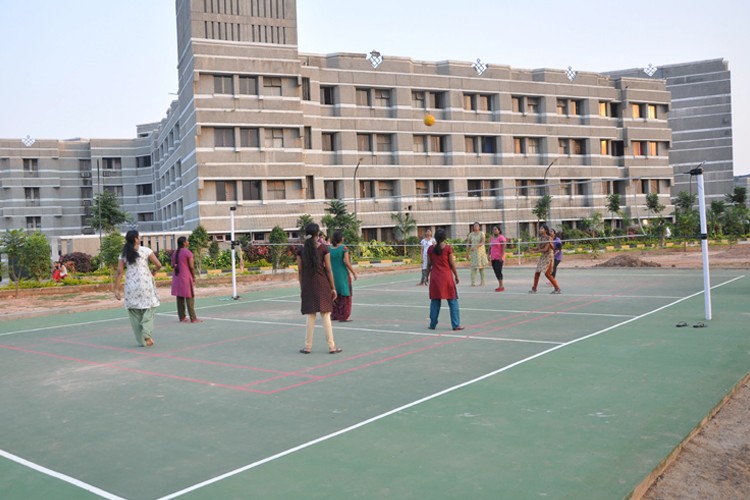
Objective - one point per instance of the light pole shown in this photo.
(544, 182)
(354, 185)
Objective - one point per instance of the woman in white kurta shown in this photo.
(140, 290)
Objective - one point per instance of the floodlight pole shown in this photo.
(544, 181)
(354, 185)
(698, 172)
(233, 245)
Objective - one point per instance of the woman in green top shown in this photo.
(342, 273)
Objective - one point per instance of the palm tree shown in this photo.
(614, 202)
(405, 224)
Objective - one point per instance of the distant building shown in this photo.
(276, 133)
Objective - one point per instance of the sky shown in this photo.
(97, 68)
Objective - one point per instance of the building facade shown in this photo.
(276, 133)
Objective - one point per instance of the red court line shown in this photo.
(133, 370)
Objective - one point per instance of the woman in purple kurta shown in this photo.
(183, 281)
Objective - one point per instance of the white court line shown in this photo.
(66, 325)
(60, 476)
(398, 332)
(584, 295)
(424, 399)
(476, 309)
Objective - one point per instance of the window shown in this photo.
(366, 189)
(31, 165)
(226, 191)
(562, 106)
(489, 144)
(420, 144)
(383, 98)
(112, 163)
(485, 102)
(579, 146)
(87, 193)
(251, 190)
(418, 99)
(639, 148)
(276, 190)
(470, 144)
(274, 138)
(580, 188)
(470, 102)
(607, 187)
(637, 111)
(327, 141)
(364, 142)
(116, 190)
(603, 109)
(576, 107)
(363, 97)
(310, 187)
(532, 146)
(140, 162)
(437, 143)
(566, 187)
(326, 95)
(223, 84)
(422, 188)
(436, 100)
(440, 188)
(384, 142)
(563, 146)
(32, 196)
(145, 217)
(272, 85)
(249, 138)
(618, 148)
(532, 105)
(248, 85)
(386, 189)
(652, 149)
(33, 223)
(604, 147)
(308, 137)
(145, 189)
(519, 145)
(331, 190)
(652, 111)
(481, 187)
(223, 137)
(305, 89)
(516, 104)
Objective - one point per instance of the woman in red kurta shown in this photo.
(441, 268)
(183, 281)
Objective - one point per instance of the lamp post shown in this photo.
(354, 185)
(544, 182)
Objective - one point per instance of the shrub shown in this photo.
(77, 262)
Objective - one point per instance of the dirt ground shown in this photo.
(714, 464)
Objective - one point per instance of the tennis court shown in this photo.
(579, 395)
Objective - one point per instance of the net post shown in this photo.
(698, 173)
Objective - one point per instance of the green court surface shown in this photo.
(579, 395)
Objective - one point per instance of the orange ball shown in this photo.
(429, 120)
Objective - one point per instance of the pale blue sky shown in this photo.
(97, 68)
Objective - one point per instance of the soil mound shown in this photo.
(627, 261)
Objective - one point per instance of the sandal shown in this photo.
(699, 325)
(533, 290)
(335, 350)
(681, 324)
(305, 351)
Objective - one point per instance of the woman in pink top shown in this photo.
(497, 255)
(183, 281)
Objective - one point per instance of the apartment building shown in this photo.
(275, 133)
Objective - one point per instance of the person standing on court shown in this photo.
(556, 250)
(426, 243)
(140, 289)
(317, 288)
(497, 255)
(544, 266)
(477, 253)
(183, 281)
(441, 266)
(342, 277)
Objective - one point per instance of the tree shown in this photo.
(279, 243)
(109, 254)
(12, 244)
(714, 218)
(614, 202)
(655, 208)
(106, 213)
(738, 196)
(338, 218)
(199, 241)
(687, 220)
(302, 222)
(405, 224)
(36, 256)
(213, 250)
(542, 208)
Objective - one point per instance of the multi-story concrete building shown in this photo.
(276, 133)
(701, 121)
